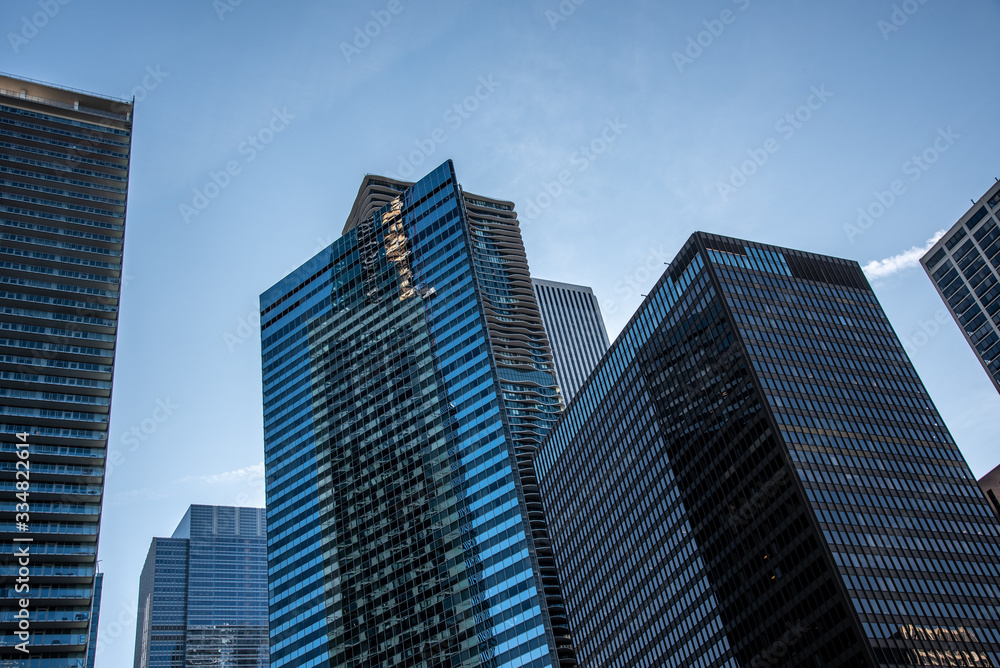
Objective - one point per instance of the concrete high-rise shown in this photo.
(965, 268)
(573, 322)
(755, 476)
(990, 484)
(203, 592)
(64, 168)
(407, 384)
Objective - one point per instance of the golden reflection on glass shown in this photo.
(397, 248)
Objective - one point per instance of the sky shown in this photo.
(617, 128)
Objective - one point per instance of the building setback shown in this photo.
(573, 322)
(407, 384)
(64, 165)
(965, 268)
(756, 476)
(990, 484)
(203, 592)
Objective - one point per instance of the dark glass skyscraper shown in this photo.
(64, 164)
(755, 476)
(407, 383)
(203, 593)
(573, 322)
(965, 268)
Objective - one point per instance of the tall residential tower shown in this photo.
(407, 384)
(755, 476)
(64, 164)
(575, 328)
(965, 268)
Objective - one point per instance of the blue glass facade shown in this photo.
(203, 593)
(756, 476)
(398, 496)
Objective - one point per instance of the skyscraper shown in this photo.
(990, 484)
(756, 476)
(203, 592)
(573, 322)
(407, 383)
(965, 268)
(64, 165)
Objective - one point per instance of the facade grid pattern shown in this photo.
(757, 447)
(383, 374)
(203, 593)
(965, 269)
(64, 167)
(573, 322)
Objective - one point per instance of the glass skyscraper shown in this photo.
(965, 268)
(573, 322)
(755, 476)
(203, 593)
(64, 165)
(407, 383)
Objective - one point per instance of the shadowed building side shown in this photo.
(754, 475)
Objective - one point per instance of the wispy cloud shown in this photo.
(905, 260)
(247, 473)
(252, 475)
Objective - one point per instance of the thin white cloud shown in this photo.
(247, 473)
(905, 260)
(253, 475)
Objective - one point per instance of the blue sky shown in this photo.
(263, 117)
